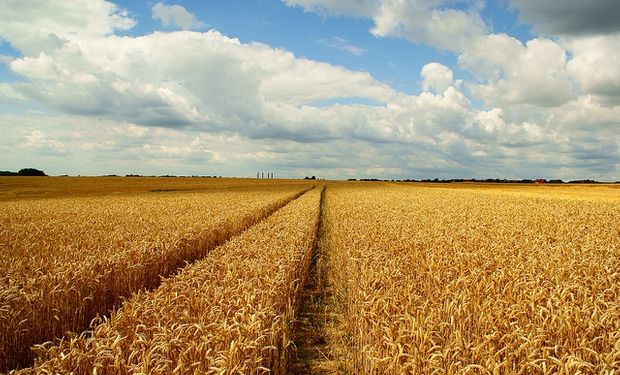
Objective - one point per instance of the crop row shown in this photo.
(231, 312)
(431, 281)
(65, 261)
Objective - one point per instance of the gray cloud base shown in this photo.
(570, 17)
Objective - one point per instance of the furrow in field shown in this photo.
(231, 312)
(65, 261)
(314, 318)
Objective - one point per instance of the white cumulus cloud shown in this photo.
(33, 26)
(514, 73)
(436, 77)
(596, 66)
(419, 21)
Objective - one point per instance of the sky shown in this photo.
(390, 89)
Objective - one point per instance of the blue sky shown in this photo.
(339, 89)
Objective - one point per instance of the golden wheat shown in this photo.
(26, 188)
(229, 313)
(426, 280)
(66, 260)
(445, 281)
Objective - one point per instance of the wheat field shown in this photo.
(450, 281)
(66, 260)
(232, 312)
(416, 278)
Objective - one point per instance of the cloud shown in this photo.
(176, 16)
(358, 8)
(427, 22)
(570, 17)
(194, 151)
(8, 94)
(33, 26)
(543, 72)
(342, 44)
(4, 59)
(414, 137)
(221, 84)
(233, 106)
(436, 77)
(596, 66)
(105, 146)
(514, 74)
(505, 70)
(419, 21)
(38, 141)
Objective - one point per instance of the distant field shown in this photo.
(606, 192)
(208, 275)
(17, 188)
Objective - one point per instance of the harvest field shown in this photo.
(487, 280)
(229, 313)
(65, 260)
(207, 276)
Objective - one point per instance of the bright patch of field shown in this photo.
(65, 260)
(435, 280)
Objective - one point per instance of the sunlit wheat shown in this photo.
(66, 260)
(229, 313)
(444, 281)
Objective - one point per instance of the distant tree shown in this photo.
(587, 181)
(30, 172)
(7, 173)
